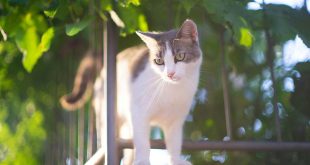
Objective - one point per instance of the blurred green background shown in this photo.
(260, 48)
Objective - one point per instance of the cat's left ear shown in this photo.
(188, 30)
(150, 39)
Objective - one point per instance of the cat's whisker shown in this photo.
(157, 93)
(154, 95)
(150, 81)
(160, 91)
(150, 97)
(150, 87)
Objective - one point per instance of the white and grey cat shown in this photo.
(156, 84)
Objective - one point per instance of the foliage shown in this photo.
(49, 36)
(21, 142)
(21, 120)
(73, 29)
(37, 21)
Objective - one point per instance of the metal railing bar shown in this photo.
(80, 142)
(226, 98)
(90, 134)
(229, 145)
(110, 51)
(270, 57)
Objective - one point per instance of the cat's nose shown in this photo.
(170, 74)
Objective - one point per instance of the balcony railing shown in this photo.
(115, 145)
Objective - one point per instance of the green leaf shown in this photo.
(73, 29)
(23, 38)
(132, 18)
(28, 44)
(246, 37)
(230, 14)
(11, 24)
(50, 13)
(142, 23)
(46, 40)
(134, 2)
(128, 2)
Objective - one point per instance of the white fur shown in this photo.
(152, 99)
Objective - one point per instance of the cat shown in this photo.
(156, 84)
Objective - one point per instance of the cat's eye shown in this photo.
(179, 57)
(159, 61)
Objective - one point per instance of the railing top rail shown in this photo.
(229, 145)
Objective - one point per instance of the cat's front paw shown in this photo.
(141, 162)
(180, 162)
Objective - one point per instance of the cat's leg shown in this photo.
(99, 113)
(141, 131)
(126, 133)
(99, 128)
(173, 138)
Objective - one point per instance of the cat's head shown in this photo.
(175, 55)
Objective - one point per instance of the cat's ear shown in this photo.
(148, 38)
(188, 30)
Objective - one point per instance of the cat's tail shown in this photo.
(83, 85)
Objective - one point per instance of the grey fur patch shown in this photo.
(190, 48)
(137, 58)
(138, 65)
(167, 36)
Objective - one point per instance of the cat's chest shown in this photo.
(176, 93)
(151, 87)
(173, 103)
(153, 94)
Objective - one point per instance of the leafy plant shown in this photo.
(46, 38)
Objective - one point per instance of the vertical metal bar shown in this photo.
(81, 135)
(225, 88)
(109, 43)
(270, 61)
(90, 133)
(270, 55)
(72, 137)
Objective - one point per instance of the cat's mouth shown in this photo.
(173, 80)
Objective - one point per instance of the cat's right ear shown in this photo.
(150, 39)
(188, 30)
